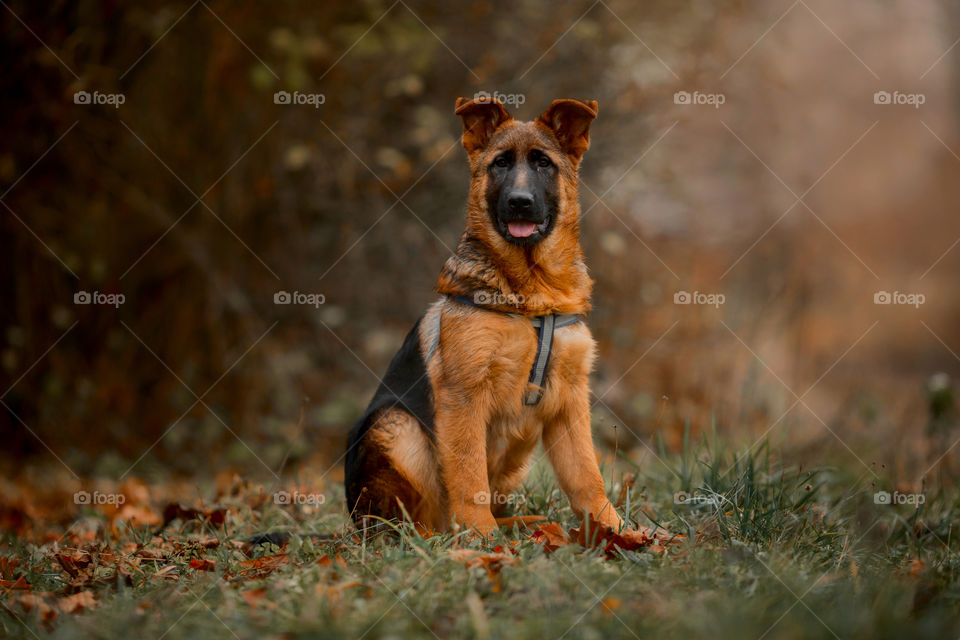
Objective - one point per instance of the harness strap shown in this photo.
(545, 326)
(544, 344)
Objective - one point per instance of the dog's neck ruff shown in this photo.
(545, 326)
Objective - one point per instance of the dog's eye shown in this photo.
(502, 161)
(543, 161)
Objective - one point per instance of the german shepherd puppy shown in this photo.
(502, 359)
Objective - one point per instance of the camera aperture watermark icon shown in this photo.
(514, 99)
(697, 499)
(698, 98)
(297, 297)
(896, 498)
(498, 298)
(111, 99)
(899, 98)
(98, 499)
(295, 497)
(496, 498)
(299, 98)
(96, 297)
(898, 297)
(698, 297)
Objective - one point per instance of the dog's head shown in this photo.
(525, 173)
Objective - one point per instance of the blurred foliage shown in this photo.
(200, 197)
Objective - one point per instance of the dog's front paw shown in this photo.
(479, 525)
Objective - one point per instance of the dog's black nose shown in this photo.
(520, 202)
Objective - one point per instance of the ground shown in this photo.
(770, 551)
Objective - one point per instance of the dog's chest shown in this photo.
(493, 355)
(514, 431)
(571, 356)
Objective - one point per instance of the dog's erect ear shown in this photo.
(570, 122)
(481, 117)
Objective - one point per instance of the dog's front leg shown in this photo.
(462, 453)
(569, 445)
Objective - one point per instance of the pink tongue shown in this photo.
(521, 229)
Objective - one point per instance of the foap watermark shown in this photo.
(97, 498)
(899, 297)
(112, 99)
(286, 297)
(712, 99)
(312, 99)
(697, 297)
(885, 497)
(515, 99)
(897, 97)
(96, 297)
(295, 497)
(696, 499)
(498, 297)
(485, 497)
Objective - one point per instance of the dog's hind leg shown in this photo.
(399, 468)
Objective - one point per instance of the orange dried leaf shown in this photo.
(551, 536)
(7, 565)
(174, 511)
(253, 597)
(594, 534)
(202, 564)
(259, 567)
(137, 515)
(491, 562)
(19, 583)
(609, 604)
(77, 602)
(333, 592)
(38, 602)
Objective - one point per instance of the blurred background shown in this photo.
(742, 154)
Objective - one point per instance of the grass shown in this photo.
(773, 551)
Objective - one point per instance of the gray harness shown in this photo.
(545, 326)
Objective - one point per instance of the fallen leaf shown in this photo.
(19, 583)
(210, 542)
(135, 491)
(259, 567)
(253, 596)
(7, 565)
(137, 514)
(609, 604)
(168, 572)
(551, 536)
(202, 564)
(491, 562)
(332, 592)
(74, 563)
(593, 534)
(151, 554)
(37, 602)
(174, 511)
(77, 602)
